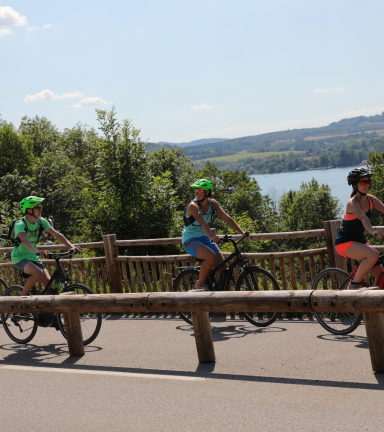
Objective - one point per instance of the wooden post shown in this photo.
(335, 260)
(113, 266)
(74, 334)
(203, 337)
(374, 326)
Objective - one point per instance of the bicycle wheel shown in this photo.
(20, 327)
(338, 323)
(255, 278)
(184, 282)
(3, 286)
(90, 322)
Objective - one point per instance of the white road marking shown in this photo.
(105, 373)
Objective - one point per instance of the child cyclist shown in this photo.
(25, 256)
(350, 240)
(197, 238)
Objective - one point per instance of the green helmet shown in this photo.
(202, 184)
(30, 202)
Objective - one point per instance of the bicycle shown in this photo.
(251, 278)
(338, 323)
(22, 327)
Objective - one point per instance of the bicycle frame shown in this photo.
(58, 273)
(219, 285)
(363, 282)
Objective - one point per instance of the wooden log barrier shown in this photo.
(369, 302)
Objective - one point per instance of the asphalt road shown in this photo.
(142, 374)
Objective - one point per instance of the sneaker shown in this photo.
(200, 287)
(354, 286)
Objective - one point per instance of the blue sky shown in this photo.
(184, 70)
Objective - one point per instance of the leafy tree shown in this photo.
(307, 209)
(14, 156)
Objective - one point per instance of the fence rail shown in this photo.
(114, 273)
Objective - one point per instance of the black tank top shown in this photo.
(351, 228)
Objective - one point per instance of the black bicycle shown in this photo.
(22, 327)
(251, 278)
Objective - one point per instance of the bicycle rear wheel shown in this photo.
(185, 281)
(255, 278)
(338, 323)
(20, 327)
(90, 322)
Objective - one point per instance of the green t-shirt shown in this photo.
(21, 252)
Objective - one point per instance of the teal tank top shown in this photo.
(195, 229)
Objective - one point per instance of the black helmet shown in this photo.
(358, 173)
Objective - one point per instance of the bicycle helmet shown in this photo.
(358, 173)
(202, 184)
(30, 202)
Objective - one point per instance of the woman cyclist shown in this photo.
(350, 240)
(197, 238)
(25, 256)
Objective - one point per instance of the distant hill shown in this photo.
(287, 140)
(192, 143)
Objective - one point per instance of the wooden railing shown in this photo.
(114, 273)
(369, 302)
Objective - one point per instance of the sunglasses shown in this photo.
(365, 182)
(38, 207)
(199, 190)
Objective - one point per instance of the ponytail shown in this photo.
(354, 191)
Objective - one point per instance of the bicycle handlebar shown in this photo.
(228, 238)
(61, 255)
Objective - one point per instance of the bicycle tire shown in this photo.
(17, 323)
(3, 286)
(185, 281)
(250, 280)
(90, 322)
(339, 323)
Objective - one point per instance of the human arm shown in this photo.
(24, 239)
(226, 218)
(354, 208)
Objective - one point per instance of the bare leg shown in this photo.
(376, 272)
(367, 257)
(37, 274)
(209, 257)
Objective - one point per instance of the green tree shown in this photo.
(14, 156)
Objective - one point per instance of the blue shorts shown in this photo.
(21, 264)
(192, 245)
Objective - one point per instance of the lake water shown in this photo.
(276, 185)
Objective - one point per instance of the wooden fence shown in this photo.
(114, 273)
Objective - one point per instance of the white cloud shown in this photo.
(246, 130)
(329, 89)
(9, 17)
(201, 107)
(4, 32)
(32, 28)
(50, 95)
(90, 102)
(47, 25)
(324, 90)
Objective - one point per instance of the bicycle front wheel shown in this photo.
(90, 322)
(255, 278)
(338, 323)
(20, 327)
(3, 286)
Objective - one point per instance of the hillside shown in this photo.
(286, 140)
